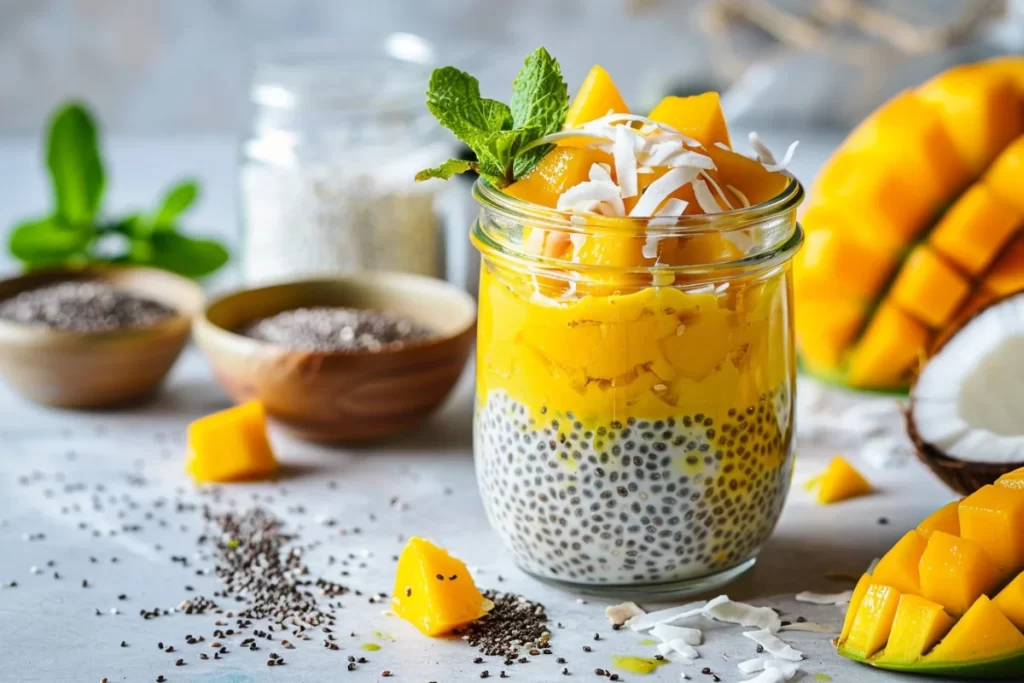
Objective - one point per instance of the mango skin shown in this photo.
(1009, 668)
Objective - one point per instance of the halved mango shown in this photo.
(596, 97)
(856, 599)
(433, 590)
(889, 351)
(975, 228)
(928, 287)
(919, 624)
(1004, 175)
(873, 621)
(945, 519)
(981, 109)
(982, 634)
(825, 327)
(231, 445)
(1007, 275)
(993, 517)
(899, 567)
(1010, 601)
(955, 572)
(841, 481)
(697, 116)
(837, 261)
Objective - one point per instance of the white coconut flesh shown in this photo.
(968, 401)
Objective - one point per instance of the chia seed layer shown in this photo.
(635, 501)
(337, 329)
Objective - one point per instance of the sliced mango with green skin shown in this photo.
(955, 571)
(899, 567)
(945, 519)
(1010, 601)
(840, 482)
(975, 228)
(596, 97)
(434, 591)
(851, 612)
(873, 621)
(993, 517)
(698, 116)
(929, 288)
(231, 445)
(983, 634)
(918, 626)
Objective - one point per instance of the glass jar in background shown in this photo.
(327, 170)
(633, 430)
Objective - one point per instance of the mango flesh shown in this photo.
(841, 481)
(955, 571)
(433, 590)
(899, 567)
(231, 445)
(596, 97)
(859, 591)
(698, 116)
(559, 170)
(946, 519)
(1012, 480)
(993, 517)
(982, 633)
(1010, 601)
(873, 621)
(919, 624)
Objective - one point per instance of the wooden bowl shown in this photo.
(97, 369)
(342, 396)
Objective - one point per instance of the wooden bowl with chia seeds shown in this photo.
(347, 359)
(93, 337)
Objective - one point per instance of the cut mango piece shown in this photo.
(981, 109)
(855, 600)
(596, 97)
(955, 572)
(559, 170)
(1013, 480)
(434, 591)
(231, 445)
(747, 175)
(841, 481)
(825, 327)
(1011, 66)
(993, 517)
(1007, 275)
(864, 265)
(945, 519)
(898, 567)
(873, 622)
(697, 116)
(1004, 176)
(982, 634)
(928, 287)
(919, 624)
(889, 351)
(1010, 601)
(975, 228)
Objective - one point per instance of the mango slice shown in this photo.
(554, 174)
(596, 97)
(929, 288)
(945, 519)
(975, 228)
(231, 445)
(697, 116)
(859, 591)
(1004, 175)
(746, 175)
(993, 517)
(919, 624)
(873, 622)
(983, 633)
(898, 567)
(841, 481)
(890, 349)
(433, 590)
(955, 572)
(1010, 601)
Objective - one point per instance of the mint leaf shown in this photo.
(73, 158)
(454, 99)
(184, 255)
(446, 170)
(177, 200)
(540, 96)
(48, 240)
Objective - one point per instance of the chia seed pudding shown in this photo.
(338, 329)
(83, 306)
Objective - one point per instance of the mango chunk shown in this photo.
(889, 351)
(929, 288)
(434, 591)
(919, 624)
(993, 517)
(1004, 175)
(1013, 480)
(747, 175)
(1007, 275)
(983, 633)
(975, 229)
(864, 265)
(596, 97)
(873, 622)
(825, 327)
(945, 519)
(697, 116)
(955, 572)
(898, 567)
(1010, 601)
(856, 599)
(231, 445)
(841, 481)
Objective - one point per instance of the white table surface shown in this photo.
(48, 627)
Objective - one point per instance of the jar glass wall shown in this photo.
(634, 422)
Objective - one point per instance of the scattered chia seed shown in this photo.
(83, 306)
(883, 520)
(514, 624)
(337, 329)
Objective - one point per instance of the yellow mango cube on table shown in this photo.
(946, 518)
(231, 445)
(919, 624)
(983, 633)
(899, 567)
(955, 571)
(698, 116)
(873, 621)
(993, 517)
(841, 481)
(1010, 601)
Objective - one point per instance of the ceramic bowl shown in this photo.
(342, 396)
(97, 369)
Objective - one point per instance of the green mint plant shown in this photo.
(499, 134)
(71, 234)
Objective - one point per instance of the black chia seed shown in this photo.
(83, 306)
(337, 329)
(514, 624)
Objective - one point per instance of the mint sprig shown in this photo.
(498, 133)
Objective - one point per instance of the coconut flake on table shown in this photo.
(840, 598)
(787, 669)
(672, 615)
(774, 645)
(621, 613)
(680, 647)
(809, 627)
(743, 614)
(666, 633)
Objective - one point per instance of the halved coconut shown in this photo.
(966, 413)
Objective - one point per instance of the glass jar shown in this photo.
(633, 429)
(327, 171)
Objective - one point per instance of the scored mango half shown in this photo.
(948, 598)
(916, 221)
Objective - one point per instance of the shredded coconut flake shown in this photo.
(680, 647)
(599, 171)
(666, 633)
(691, 159)
(718, 188)
(774, 645)
(825, 598)
(705, 199)
(722, 145)
(744, 615)
(624, 151)
(619, 614)
(739, 195)
(767, 159)
(660, 189)
(601, 191)
(671, 615)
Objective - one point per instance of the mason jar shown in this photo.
(633, 427)
(326, 175)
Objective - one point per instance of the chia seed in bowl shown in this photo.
(83, 306)
(338, 328)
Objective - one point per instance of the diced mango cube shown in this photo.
(559, 170)
(841, 481)
(433, 590)
(697, 116)
(993, 517)
(955, 571)
(596, 97)
(838, 262)
(855, 600)
(919, 624)
(1010, 601)
(873, 622)
(231, 445)
(747, 175)
(898, 567)
(929, 288)
(1007, 275)
(1003, 177)
(946, 519)
(825, 327)
(975, 228)
(889, 351)
(983, 633)
(1011, 66)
